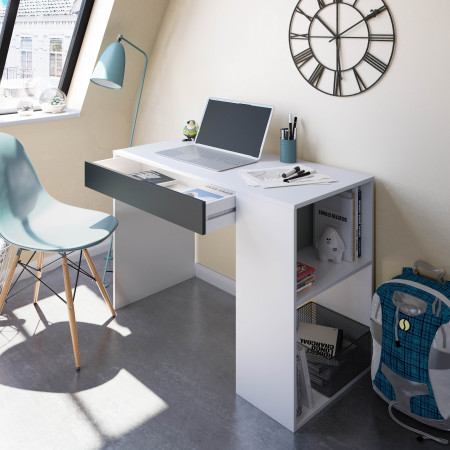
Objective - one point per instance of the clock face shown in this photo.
(342, 47)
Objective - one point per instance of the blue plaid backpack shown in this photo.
(410, 326)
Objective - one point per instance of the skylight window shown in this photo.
(40, 41)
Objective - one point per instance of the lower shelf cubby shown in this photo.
(328, 376)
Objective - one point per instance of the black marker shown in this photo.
(296, 169)
(300, 175)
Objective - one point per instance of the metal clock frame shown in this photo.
(303, 57)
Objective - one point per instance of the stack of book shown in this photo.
(305, 276)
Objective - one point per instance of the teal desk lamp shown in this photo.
(109, 73)
(110, 70)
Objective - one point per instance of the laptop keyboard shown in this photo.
(201, 152)
(217, 156)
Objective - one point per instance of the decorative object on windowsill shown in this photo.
(330, 246)
(109, 73)
(190, 130)
(25, 107)
(52, 101)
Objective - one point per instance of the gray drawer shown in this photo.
(110, 177)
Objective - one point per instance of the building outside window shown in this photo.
(56, 57)
(26, 46)
(39, 47)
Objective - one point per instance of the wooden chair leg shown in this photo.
(71, 311)
(8, 280)
(96, 275)
(40, 262)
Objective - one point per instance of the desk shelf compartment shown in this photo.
(330, 375)
(328, 274)
(112, 178)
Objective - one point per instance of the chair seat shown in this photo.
(53, 226)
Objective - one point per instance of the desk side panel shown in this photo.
(150, 254)
(265, 307)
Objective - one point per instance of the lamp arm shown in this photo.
(119, 38)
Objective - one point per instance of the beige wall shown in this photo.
(397, 131)
(58, 149)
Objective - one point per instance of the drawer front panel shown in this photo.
(183, 210)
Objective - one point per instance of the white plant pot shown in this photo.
(54, 109)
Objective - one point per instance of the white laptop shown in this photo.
(231, 134)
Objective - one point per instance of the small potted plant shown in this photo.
(52, 101)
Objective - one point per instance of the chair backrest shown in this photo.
(20, 188)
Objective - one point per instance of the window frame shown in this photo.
(27, 52)
(74, 48)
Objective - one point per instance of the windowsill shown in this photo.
(9, 120)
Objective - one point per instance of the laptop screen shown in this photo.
(237, 127)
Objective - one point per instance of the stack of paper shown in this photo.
(272, 177)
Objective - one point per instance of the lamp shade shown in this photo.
(110, 68)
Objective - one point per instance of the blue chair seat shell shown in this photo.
(31, 219)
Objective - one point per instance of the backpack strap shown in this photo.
(438, 274)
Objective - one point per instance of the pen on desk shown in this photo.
(290, 126)
(293, 171)
(296, 176)
(299, 175)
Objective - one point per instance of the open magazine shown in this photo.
(208, 193)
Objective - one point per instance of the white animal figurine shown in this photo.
(330, 246)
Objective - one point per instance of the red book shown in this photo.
(303, 271)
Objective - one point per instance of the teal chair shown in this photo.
(30, 219)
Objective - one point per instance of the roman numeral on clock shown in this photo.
(314, 79)
(382, 37)
(359, 80)
(375, 62)
(303, 57)
(299, 36)
(299, 10)
(321, 4)
(337, 87)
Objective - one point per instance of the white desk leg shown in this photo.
(150, 254)
(265, 307)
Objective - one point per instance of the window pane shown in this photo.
(37, 53)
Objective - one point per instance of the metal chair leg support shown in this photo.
(108, 258)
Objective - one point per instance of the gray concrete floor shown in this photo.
(159, 376)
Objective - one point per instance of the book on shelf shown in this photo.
(305, 276)
(154, 177)
(319, 339)
(303, 379)
(300, 289)
(359, 222)
(208, 193)
(338, 212)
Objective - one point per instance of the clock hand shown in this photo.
(327, 27)
(371, 15)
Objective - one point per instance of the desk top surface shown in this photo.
(289, 196)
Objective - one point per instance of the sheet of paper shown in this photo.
(272, 177)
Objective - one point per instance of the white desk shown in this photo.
(151, 254)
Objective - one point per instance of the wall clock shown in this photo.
(342, 47)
